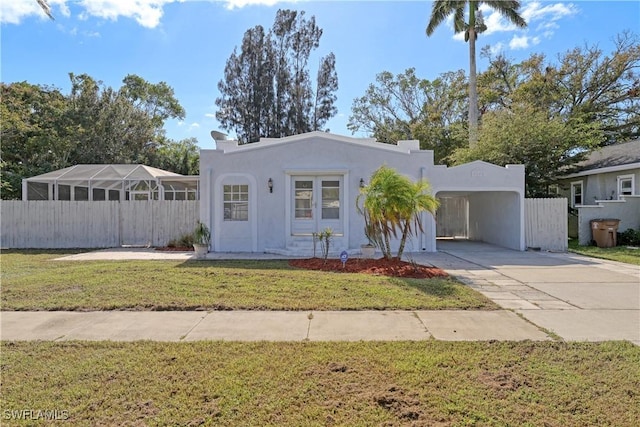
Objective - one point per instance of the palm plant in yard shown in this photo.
(391, 205)
(442, 9)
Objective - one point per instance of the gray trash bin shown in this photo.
(604, 232)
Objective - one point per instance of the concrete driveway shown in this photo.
(576, 297)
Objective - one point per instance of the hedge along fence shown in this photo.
(100, 224)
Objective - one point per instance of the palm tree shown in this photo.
(443, 8)
(46, 8)
(393, 203)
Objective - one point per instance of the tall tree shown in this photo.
(442, 9)
(584, 83)
(33, 134)
(43, 129)
(267, 89)
(547, 145)
(405, 106)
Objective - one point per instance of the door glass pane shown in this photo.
(303, 200)
(330, 199)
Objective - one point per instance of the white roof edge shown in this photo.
(406, 146)
(602, 170)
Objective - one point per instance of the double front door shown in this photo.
(317, 204)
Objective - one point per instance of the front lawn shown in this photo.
(317, 384)
(31, 280)
(618, 253)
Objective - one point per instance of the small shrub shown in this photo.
(184, 241)
(629, 237)
(325, 237)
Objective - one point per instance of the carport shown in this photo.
(480, 202)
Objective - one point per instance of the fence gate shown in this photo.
(546, 224)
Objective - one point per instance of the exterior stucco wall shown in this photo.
(495, 198)
(352, 159)
(280, 161)
(627, 211)
(494, 217)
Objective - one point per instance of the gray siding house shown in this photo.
(605, 185)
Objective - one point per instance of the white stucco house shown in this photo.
(272, 195)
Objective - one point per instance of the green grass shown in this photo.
(618, 253)
(31, 280)
(356, 384)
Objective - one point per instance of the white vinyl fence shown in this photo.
(545, 222)
(103, 224)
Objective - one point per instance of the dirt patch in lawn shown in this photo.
(380, 267)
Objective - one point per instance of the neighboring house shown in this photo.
(272, 195)
(605, 185)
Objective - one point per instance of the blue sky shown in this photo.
(186, 43)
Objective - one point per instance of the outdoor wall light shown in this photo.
(361, 183)
(270, 185)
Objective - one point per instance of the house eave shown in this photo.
(617, 168)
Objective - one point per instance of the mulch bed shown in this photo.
(380, 267)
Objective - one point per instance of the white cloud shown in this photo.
(535, 11)
(194, 126)
(496, 48)
(523, 42)
(238, 4)
(146, 12)
(12, 12)
(210, 115)
(541, 19)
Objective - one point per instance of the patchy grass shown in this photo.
(33, 281)
(365, 383)
(618, 253)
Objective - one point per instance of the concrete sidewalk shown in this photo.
(577, 298)
(268, 325)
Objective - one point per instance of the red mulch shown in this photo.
(175, 248)
(380, 267)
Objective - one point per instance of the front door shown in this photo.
(317, 204)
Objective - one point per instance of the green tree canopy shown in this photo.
(44, 130)
(547, 146)
(267, 90)
(405, 106)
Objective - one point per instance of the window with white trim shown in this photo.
(576, 193)
(236, 202)
(625, 186)
(553, 190)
